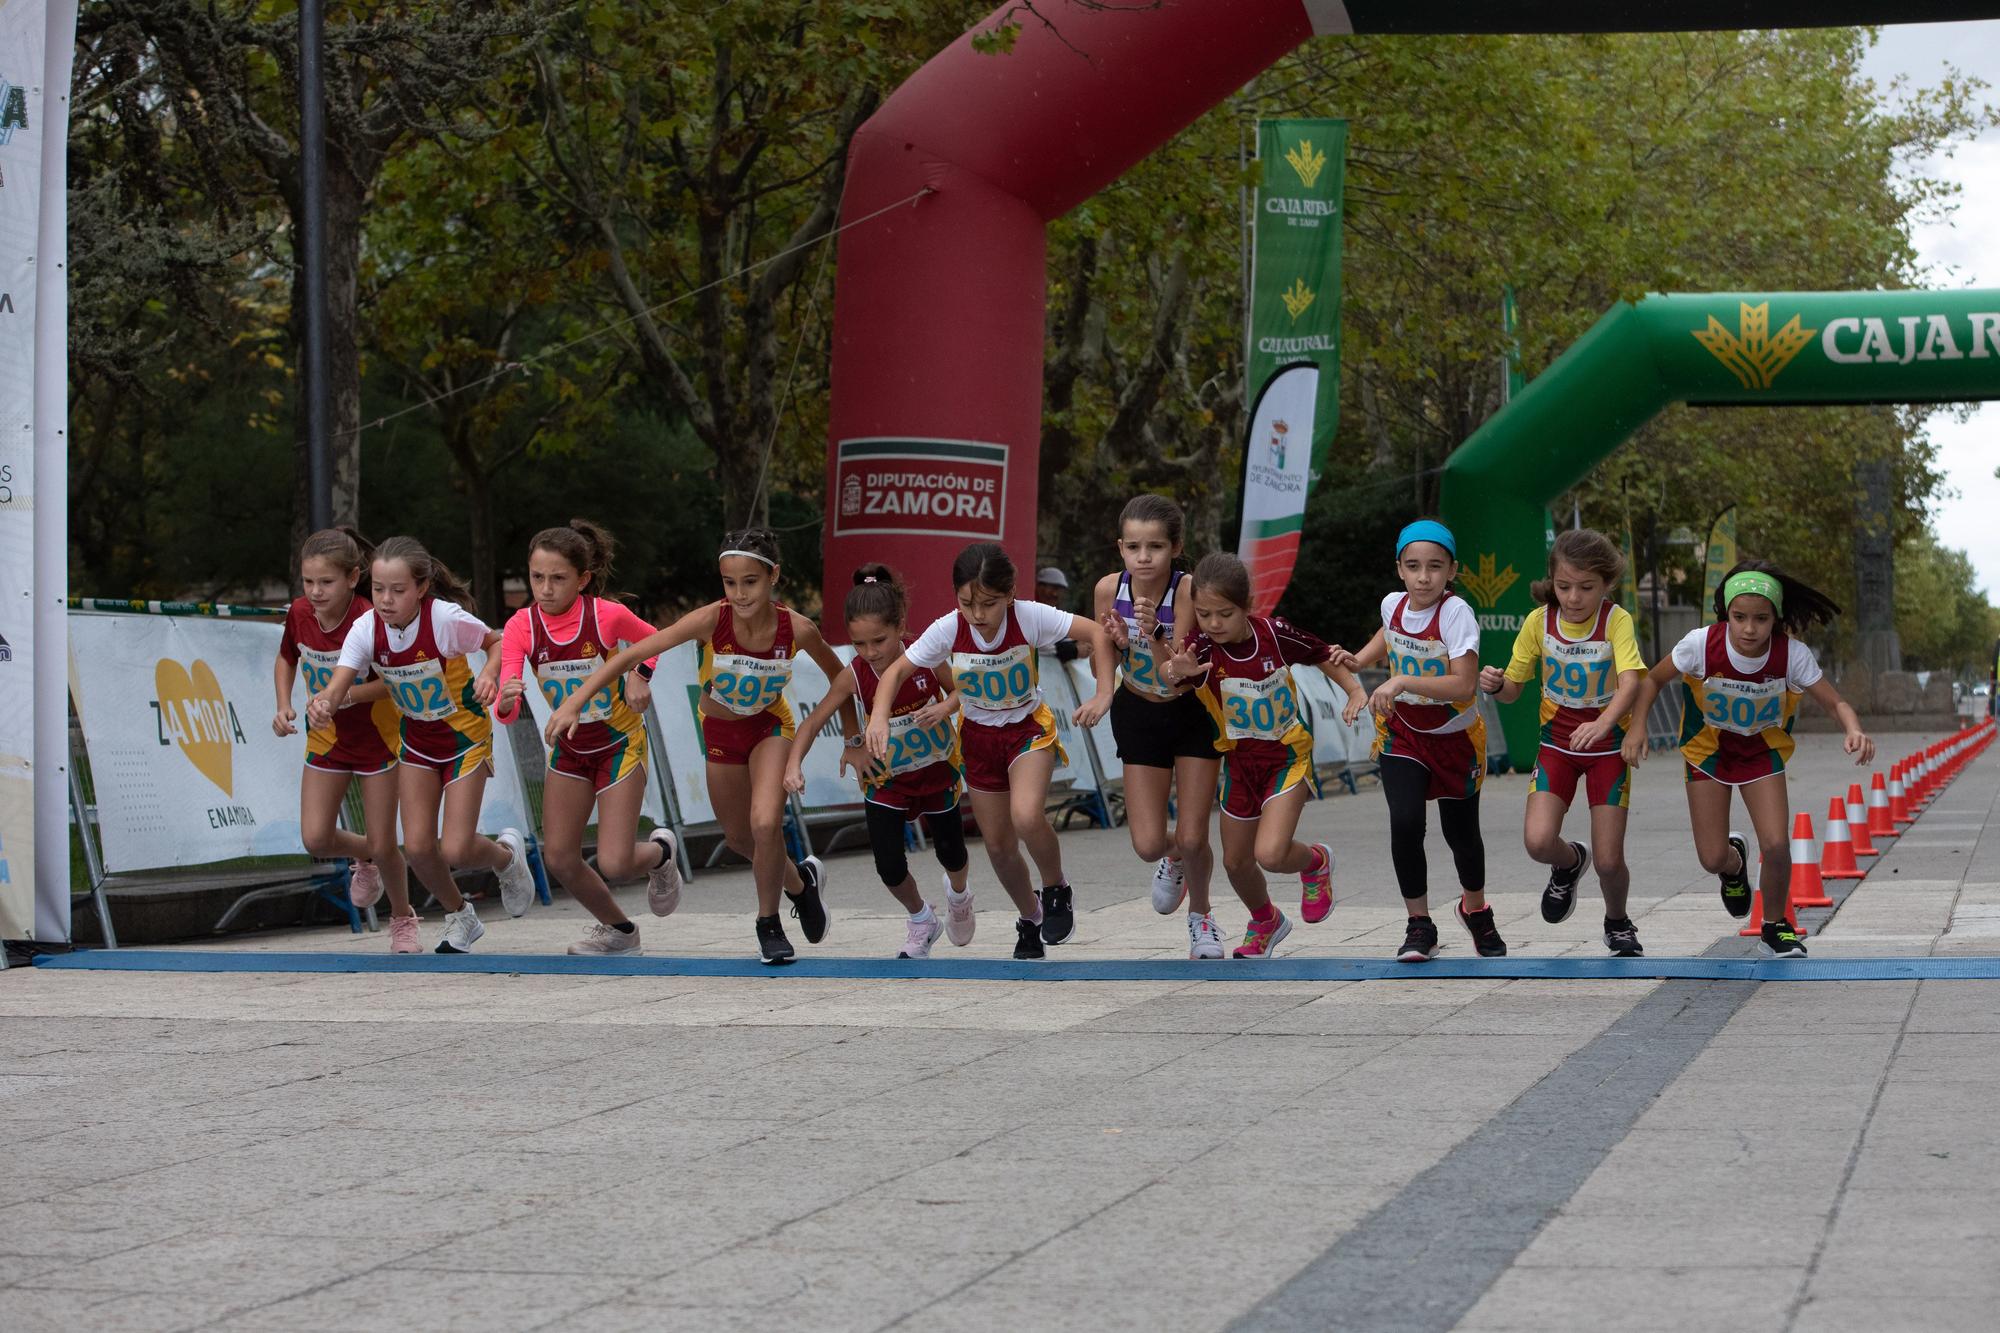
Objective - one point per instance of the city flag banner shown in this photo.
(1721, 556)
(37, 41)
(1292, 361)
(1628, 582)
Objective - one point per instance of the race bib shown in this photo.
(1578, 675)
(1143, 658)
(1743, 706)
(418, 690)
(997, 681)
(560, 680)
(316, 666)
(912, 747)
(1411, 656)
(747, 686)
(1263, 710)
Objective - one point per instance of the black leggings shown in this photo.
(885, 835)
(1406, 784)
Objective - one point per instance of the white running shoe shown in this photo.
(922, 935)
(517, 882)
(1169, 885)
(462, 930)
(1204, 936)
(364, 884)
(604, 940)
(958, 919)
(663, 882)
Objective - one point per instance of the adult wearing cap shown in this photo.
(1052, 589)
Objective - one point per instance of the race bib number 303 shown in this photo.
(998, 681)
(560, 680)
(1264, 710)
(418, 689)
(748, 686)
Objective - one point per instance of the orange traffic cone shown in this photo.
(1837, 856)
(1899, 799)
(1808, 889)
(1857, 823)
(1880, 825)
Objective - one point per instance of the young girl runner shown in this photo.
(920, 775)
(1244, 662)
(359, 745)
(570, 627)
(1741, 679)
(416, 638)
(1169, 740)
(1431, 740)
(1008, 736)
(747, 642)
(1582, 647)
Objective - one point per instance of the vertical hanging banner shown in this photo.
(1628, 582)
(1292, 361)
(36, 41)
(1721, 557)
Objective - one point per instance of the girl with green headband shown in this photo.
(1741, 679)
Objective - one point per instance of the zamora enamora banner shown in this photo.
(1292, 361)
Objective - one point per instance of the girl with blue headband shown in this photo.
(1431, 740)
(1741, 679)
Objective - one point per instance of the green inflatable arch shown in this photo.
(1721, 349)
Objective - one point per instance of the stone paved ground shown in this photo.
(300, 1151)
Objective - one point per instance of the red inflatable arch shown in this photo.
(936, 413)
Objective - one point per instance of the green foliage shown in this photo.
(1942, 616)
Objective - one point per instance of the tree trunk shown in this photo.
(487, 594)
(345, 196)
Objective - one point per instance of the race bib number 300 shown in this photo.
(560, 680)
(1263, 710)
(418, 689)
(997, 681)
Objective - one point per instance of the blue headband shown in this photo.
(1427, 530)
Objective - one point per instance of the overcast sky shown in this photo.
(1962, 252)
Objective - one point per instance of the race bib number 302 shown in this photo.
(418, 689)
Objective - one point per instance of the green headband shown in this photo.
(1757, 584)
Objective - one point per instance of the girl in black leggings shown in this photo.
(920, 773)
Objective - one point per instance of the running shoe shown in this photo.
(364, 884)
(1485, 935)
(1028, 940)
(807, 904)
(604, 940)
(922, 935)
(663, 881)
(1316, 887)
(958, 919)
(1420, 942)
(772, 945)
(1622, 937)
(517, 882)
(1559, 898)
(403, 936)
(462, 930)
(1058, 914)
(1204, 937)
(1169, 884)
(1736, 887)
(1261, 938)
(1779, 940)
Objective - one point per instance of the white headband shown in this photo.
(749, 554)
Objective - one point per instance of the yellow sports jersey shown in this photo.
(1579, 666)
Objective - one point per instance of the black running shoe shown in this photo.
(1781, 941)
(1058, 915)
(1028, 940)
(1622, 937)
(1420, 943)
(807, 905)
(771, 941)
(1736, 887)
(1559, 898)
(1485, 935)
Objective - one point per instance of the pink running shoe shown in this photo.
(403, 935)
(1260, 938)
(1316, 887)
(959, 921)
(364, 884)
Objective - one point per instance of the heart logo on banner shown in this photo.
(194, 713)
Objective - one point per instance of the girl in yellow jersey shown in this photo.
(416, 638)
(1582, 648)
(1741, 679)
(747, 642)
(561, 636)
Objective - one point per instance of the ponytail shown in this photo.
(587, 547)
(425, 568)
(1805, 606)
(879, 594)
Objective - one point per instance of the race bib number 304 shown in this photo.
(418, 689)
(1264, 710)
(1742, 706)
